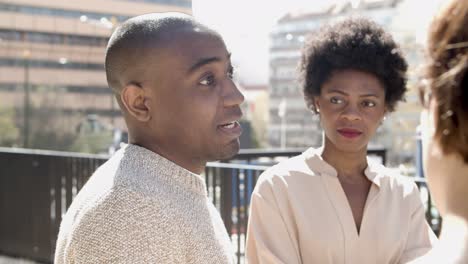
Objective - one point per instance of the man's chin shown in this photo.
(228, 151)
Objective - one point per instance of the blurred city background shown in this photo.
(54, 94)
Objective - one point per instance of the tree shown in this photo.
(50, 127)
(94, 136)
(9, 133)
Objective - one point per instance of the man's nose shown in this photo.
(232, 96)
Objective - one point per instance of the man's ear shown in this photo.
(134, 99)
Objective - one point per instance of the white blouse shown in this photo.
(300, 214)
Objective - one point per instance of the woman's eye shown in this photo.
(368, 103)
(336, 100)
(208, 80)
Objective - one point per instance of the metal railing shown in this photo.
(230, 186)
(36, 188)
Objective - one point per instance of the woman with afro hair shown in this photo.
(333, 204)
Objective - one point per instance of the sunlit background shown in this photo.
(53, 93)
(54, 96)
(266, 38)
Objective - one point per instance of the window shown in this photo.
(52, 38)
(33, 10)
(18, 62)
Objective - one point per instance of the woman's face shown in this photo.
(351, 107)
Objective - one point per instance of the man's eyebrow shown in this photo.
(204, 61)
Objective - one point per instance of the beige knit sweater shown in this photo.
(139, 207)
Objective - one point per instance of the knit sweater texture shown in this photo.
(139, 207)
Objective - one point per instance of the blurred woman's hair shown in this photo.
(447, 77)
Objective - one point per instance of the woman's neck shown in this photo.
(347, 164)
(454, 185)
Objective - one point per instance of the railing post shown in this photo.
(226, 198)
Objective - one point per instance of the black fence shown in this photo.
(36, 188)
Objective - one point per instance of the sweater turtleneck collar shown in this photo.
(143, 168)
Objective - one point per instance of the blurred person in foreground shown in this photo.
(333, 204)
(444, 125)
(172, 77)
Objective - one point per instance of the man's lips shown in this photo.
(349, 132)
(229, 125)
(233, 129)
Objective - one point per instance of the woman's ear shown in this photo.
(134, 100)
(384, 117)
(316, 104)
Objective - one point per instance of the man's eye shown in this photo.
(208, 80)
(368, 103)
(336, 100)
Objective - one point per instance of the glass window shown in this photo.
(46, 11)
(52, 38)
(18, 62)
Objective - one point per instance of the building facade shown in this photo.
(52, 54)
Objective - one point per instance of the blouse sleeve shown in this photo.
(268, 237)
(420, 238)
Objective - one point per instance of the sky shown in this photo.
(245, 26)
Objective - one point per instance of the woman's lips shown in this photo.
(349, 132)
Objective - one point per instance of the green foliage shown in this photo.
(51, 127)
(92, 142)
(9, 133)
(51, 139)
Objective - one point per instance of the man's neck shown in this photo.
(194, 166)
